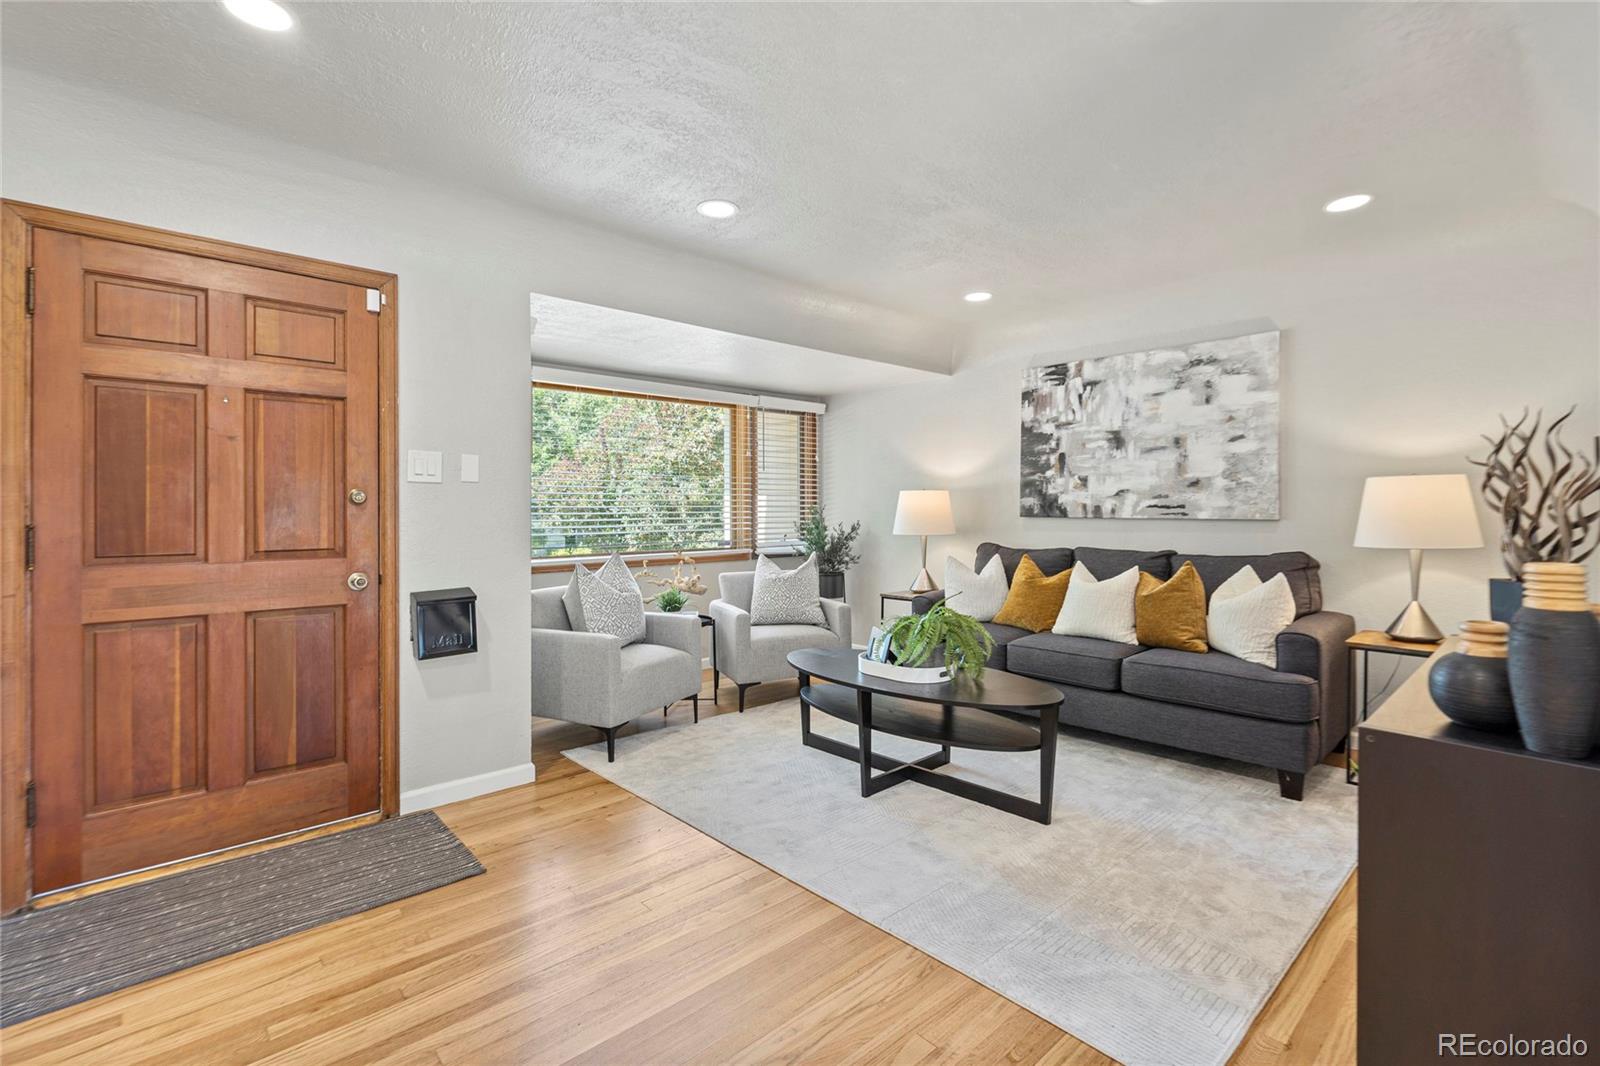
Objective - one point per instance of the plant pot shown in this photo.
(1474, 691)
(1505, 598)
(1554, 662)
(831, 584)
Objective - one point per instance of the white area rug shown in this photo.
(1152, 919)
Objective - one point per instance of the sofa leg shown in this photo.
(1291, 785)
(611, 742)
(741, 696)
(697, 706)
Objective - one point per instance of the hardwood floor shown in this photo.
(608, 932)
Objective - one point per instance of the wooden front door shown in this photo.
(205, 602)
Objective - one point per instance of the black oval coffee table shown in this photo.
(1003, 712)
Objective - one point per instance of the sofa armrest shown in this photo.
(575, 675)
(925, 601)
(1313, 645)
(674, 630)
(837, 612)
(732, 634)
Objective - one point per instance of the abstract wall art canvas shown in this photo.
(1184, 432)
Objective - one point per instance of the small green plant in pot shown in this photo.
(835, 550)
(671, 600)
(945, 634)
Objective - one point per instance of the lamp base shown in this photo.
(924, 581)
(1414, 625)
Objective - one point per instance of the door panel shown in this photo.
(209, 676)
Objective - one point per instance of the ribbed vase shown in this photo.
(1470, 685)
(1553, 660)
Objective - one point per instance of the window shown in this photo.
(614, 471)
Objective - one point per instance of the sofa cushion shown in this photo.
(652, 675)
(1219, 682)
(1171, 613)
(1116, 560)
(1082, 661)
(1003, 635)
(1048, 560)
(1034, 599)
(770, 647)
(1300, 569)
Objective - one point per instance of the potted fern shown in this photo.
(943, 635)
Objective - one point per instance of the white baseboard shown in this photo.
(420, 799)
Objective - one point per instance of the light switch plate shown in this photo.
(426, 467)
(469, 467)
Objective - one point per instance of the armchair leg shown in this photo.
(741, 695)
(611, 742)
(716, 683)
(1291, 785)
(697, 706)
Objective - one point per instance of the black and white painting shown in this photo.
(1186, 432)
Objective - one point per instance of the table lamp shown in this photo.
(924, 513)
(1415, 512)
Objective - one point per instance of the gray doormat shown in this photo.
(57, 956)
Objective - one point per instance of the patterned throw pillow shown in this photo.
(607, 601)
(1247, 614)
(1034, 600)
(1172, 614)
(1102, 609)
(982, 594)
(786, 597)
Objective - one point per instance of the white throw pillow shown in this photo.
(786, 597)
(1095, 608)
(1247, 614)
(982, 593)
(617, 616)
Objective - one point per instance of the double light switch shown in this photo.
(428, 467)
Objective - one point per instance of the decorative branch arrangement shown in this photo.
(689, 584)
(1544, 511)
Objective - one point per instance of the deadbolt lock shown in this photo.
(357, 581)
(358, 496)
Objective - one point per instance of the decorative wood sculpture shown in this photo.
(1544, 513)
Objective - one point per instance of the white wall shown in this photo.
(467, 265)
(1392, 362)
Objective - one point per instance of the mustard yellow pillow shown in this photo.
(1171, 614)
(1034, 600)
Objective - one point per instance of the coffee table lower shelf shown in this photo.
(933, 723)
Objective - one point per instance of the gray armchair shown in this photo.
(751, 654)
(590, 678)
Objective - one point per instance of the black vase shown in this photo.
(1553, 659)
(831, 585)
(1473, 690)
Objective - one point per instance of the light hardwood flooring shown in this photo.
(608, 932)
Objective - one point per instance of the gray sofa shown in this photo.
(1290, 718)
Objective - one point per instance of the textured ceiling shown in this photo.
(590, 337)
(904, 154)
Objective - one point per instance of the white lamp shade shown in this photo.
(924, 512)
(1418, 511)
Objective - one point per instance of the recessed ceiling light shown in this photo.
(718, 208)
(262, 14)
(1347, 203)
(978, 297)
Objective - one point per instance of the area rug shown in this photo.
(1151, 919)
(61, 955)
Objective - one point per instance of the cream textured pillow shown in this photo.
(786, 597)
(1247, 614)
(982, 593)
(607, 608)
(1095, 608)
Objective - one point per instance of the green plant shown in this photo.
(965, 644)
(671, 600)
(834, 549)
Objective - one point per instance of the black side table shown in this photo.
(902, 595)
(1366, 642)
(716, 675)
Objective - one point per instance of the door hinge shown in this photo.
(30, 287)
(30, 800)
(27, 548)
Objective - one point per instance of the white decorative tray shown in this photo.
(910, 675)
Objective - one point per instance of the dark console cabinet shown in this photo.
(1479, 898)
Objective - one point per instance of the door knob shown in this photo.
(357, 581)
(358, 497)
